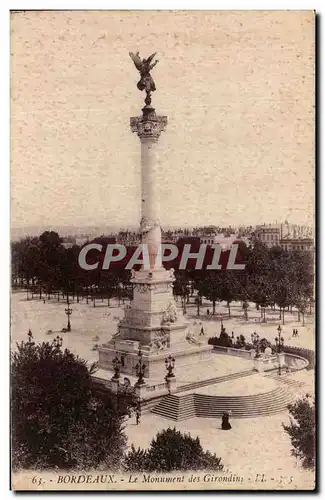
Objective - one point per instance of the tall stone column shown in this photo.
(148, 128)
(152, 327)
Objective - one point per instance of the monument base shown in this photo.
(185, 355)
(154, 327)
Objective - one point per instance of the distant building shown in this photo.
(207, 240)
(287, 236)
(224, 241)
(128, 239)
(270, 234)
(303, 245)
(81, 240)
(68, 242)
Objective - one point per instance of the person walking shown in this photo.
(225, 425)
(201, 331)
(137, 416)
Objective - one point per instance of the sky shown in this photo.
(237, 88)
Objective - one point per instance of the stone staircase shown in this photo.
(183, 407)
(176, 407)
(215, 380)
(285, 379)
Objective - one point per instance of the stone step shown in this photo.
(286, 380)
(201, 405)
(215, 380)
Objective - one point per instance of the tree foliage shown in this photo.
(169, 451)
(58, 420)
(302, 430)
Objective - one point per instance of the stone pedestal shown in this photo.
(281, 359)
(259, 364)
(171, 382)
(140, 391)
(114, 385)
(267, 363)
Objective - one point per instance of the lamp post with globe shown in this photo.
(140, 369)
(256, 343)
(279, 342)
(68, 312)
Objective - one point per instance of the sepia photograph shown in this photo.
(162, 245)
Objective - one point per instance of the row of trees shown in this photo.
(272, 277)
(44, 265)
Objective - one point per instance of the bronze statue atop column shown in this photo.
(144, 66)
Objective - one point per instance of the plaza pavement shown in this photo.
(96, 325)
(258, 444)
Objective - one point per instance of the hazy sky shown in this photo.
(237, 88)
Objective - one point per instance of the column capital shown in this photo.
(149, 126)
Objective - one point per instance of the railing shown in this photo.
(157, 387)
(304, 363)
(301, 352)
(106, 383)
(231, 351)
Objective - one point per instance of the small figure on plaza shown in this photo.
(201, 331)
(137, 416)
(225, 425)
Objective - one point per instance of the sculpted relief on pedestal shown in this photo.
(144, 287)
(159, 341)
(170, 315)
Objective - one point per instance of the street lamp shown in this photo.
(68, 312)
(140, 369)
(279, 341)
(117, 367)
(256, 343)
(170, 365)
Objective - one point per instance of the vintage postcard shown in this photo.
(163, 250)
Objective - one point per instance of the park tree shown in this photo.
(283, 280)
(172, 451)
(257, 260)
(182, 286)
(210, 287)
(302, 430)
(26, 259)
(51, 251)
(58, 419)
(260, 292)
(230, 287)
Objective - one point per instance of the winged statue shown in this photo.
(144, 66)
